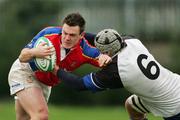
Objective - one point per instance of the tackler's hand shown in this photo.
(56, 68)
(104, 60)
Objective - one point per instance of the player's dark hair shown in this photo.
(75, 19)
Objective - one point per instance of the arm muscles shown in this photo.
(78, 83)
(26, 55)
(73, 81)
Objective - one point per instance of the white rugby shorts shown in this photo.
(22, 77)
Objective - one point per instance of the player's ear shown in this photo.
(82, 34)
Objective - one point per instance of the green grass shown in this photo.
(61, 112)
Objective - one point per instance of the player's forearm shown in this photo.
(78, 83)
(26, 55)
(71, 80)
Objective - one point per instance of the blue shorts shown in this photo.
(176, 117)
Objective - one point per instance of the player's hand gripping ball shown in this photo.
(48, 63)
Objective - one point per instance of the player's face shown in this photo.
(70, 36)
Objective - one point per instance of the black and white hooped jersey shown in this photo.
(135, 69)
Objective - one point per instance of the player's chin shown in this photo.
(67, 45)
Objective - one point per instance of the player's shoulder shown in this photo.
(88, 49)
(129, 37)
(126, 37)
(52, 30)
(131, 40)
(90, 38)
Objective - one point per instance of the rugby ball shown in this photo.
(48, 63)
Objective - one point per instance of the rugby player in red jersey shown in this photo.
(31, 86)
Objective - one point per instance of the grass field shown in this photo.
(74, 113)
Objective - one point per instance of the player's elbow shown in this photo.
(25, 55)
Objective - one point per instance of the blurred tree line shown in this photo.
(153, 21)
